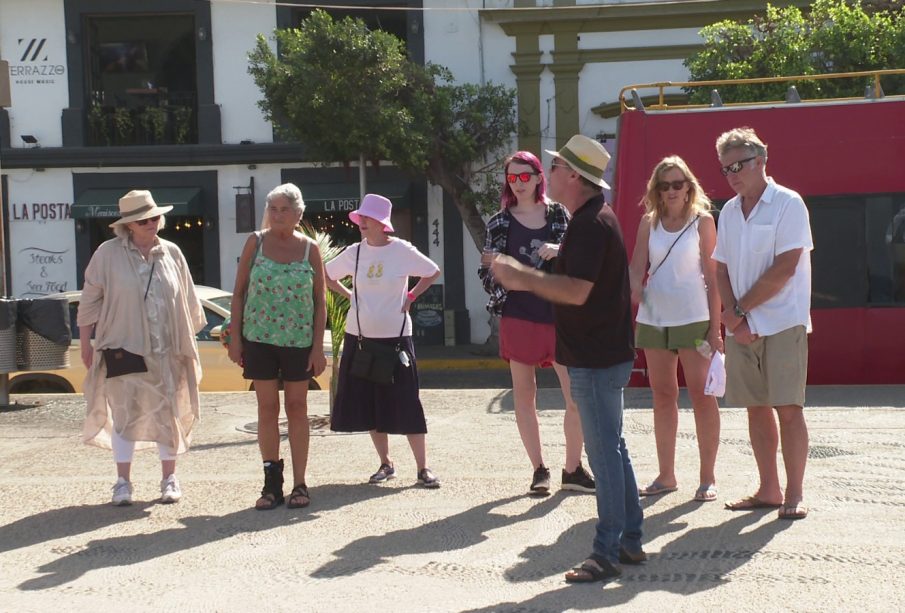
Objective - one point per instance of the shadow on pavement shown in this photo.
(458, 531)
(698, 560)
(196, 531)
(66, 522)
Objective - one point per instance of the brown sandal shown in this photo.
(299, 491)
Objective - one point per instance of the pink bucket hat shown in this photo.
(375, 207)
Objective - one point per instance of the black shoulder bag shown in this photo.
(121, 362)
(375, 361)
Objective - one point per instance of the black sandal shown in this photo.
(272, 492)
(299, 491)
(592, 570)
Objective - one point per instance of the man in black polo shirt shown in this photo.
(592, 309)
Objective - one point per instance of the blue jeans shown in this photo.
(598, 394)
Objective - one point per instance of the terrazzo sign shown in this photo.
(35, 63)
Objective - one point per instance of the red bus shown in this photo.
(847, 160)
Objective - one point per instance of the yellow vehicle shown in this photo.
(219, 374)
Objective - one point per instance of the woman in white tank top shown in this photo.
(679, 311)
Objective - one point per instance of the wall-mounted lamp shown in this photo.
(245, 206)
(202, 33)
(28, 139)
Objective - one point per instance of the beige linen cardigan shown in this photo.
(113, 300)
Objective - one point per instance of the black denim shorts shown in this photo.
(268, 362)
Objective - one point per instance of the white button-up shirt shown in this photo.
(778, 223)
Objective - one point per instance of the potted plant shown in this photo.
(98, 122)
(125, 126)
(154, 121)
(182, 119)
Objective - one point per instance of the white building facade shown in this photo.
(109, 96)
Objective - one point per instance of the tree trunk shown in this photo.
(457, 188)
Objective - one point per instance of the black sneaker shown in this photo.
(540, 484)
(578, 481)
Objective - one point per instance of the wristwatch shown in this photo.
(741, 314)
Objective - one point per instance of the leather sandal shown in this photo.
(299, 492)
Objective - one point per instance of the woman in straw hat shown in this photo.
(380, 267)
(139, 305)
(279, 313)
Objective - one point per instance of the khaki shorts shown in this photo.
(670, 337)
(772, 371)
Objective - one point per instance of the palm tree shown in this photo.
(337, 306)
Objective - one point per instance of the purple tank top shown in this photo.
(522, 244)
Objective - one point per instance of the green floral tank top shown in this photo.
(279, 309)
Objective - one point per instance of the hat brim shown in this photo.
(355, 216)
(595, 180)
(154, 212)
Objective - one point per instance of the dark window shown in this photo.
(859, 250)
(141, 79)
(391, 21)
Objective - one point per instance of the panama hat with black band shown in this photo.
(585, 156)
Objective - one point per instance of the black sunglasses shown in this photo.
(736, 167)
(524, 177)
(143, 222)
(664, 186)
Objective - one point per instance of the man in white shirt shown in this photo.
(764, 276)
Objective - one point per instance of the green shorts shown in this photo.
(672, 338)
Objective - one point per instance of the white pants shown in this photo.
(123, 450)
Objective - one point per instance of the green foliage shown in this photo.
(182, 119)
(336, 86)
(346, 91)
(834, 36)
(154, 121)
(100, 127)
(122, 119)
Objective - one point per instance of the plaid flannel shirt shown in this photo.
(497, 236)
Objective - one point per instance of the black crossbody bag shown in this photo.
(374, 361)
(121, 362)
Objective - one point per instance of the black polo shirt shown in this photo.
(597, 334)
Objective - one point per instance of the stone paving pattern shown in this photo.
(477, 544)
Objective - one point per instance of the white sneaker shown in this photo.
(170, 490)
(122, 493)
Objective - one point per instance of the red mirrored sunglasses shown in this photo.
(524, 177)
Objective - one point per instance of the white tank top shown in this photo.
(675, 294)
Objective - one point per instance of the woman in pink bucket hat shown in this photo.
(380, 266)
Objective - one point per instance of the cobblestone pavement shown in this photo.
(479, 543)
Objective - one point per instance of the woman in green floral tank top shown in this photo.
(280, 307)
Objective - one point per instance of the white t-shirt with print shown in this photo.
(382, 282)
(778, 223)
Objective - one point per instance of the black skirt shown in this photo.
(361, 406)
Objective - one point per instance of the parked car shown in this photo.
(219, 373)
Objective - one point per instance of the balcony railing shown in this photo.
(143, 117)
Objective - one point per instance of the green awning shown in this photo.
(105, 202)
(344, 197)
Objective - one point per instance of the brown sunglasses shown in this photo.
(143, 222)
